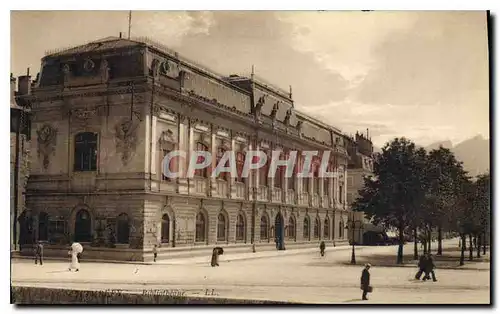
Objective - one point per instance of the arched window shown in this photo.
(201, 172)
(307, 229)
(222, 175)
(85, 152)
(122, 229)
(326, 228)
(291, 228)
(317, 227)
(43, 226)
(264, 227)
(240, 228)
(240, 163)
(200, 228)
(83, 226)
(165, 229)
(341, 229)
(221, 228)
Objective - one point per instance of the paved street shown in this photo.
(301, 278)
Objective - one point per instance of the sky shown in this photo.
(418, 74)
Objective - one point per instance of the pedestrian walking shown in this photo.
(38, 253)
(365, 282)
(421, 266)
(76, 248)
(322, 248)
(215, 256)
(155, 253)
(429, 268)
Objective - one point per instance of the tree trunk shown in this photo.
(471, 248)
(429, 238)
(478, 245)
(400, 248)
(415, 244)
(484, 243)
(440, 241)
(462, 251)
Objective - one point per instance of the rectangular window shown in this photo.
(263, 173)
(163, 177)
(240, 163)
(201, 172)
(222, 175)
(85, 156)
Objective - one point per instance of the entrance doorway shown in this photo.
(279, 232)
(25, 223)
(83, 226)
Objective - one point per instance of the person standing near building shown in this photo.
(322, 248)
(39, 253)
(365, 281)
(155, 252)
(75, 264)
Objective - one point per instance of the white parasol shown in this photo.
(77, 247)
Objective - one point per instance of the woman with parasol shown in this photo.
(76, 248)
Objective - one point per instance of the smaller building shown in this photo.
(360, 150)
(20, 130)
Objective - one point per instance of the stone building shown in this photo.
(360, 150)
(105, 114)
(19, 159)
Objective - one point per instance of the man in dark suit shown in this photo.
(421, 266)
(39, 253)
(365, 281)
(429, 268)
(322, 248)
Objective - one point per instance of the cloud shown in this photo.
(235, 41)
(441, 59)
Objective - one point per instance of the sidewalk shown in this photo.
(198, 260)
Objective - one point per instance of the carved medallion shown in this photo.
(88, 65)
(126, 139)
(47, 139)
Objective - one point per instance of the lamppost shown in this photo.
(351, 224)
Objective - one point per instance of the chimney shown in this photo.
(24, 85)
(12, 88)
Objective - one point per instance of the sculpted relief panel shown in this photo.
(126, 139)
(47, 139)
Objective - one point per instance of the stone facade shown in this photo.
(138, 100)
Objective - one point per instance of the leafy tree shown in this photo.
(397, 190)
(444, 176)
